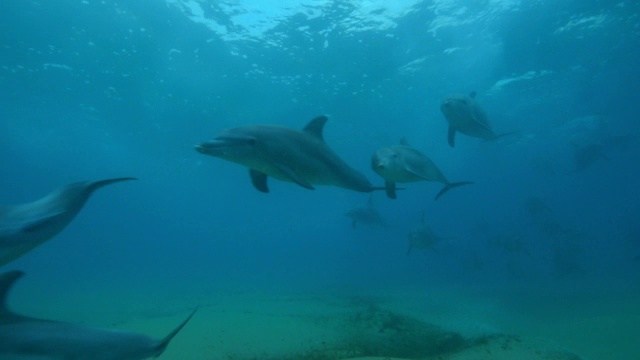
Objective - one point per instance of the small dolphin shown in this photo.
(366, 215)
(403, 163)
(26, 226)
(31, 338)
(423, 237)
(585, 156)
(465, 115)
(621, 142)
(511, 243)
(301, 157)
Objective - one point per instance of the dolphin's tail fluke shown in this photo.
(162, 345)
(7, 280)
(101, 183)
(450, 186)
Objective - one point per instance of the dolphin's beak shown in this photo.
(205, 147)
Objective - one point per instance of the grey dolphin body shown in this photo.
(23, 337)
(25, 226)
(465, 115)
(301, 157)
(403, 163)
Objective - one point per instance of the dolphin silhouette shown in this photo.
(403, 163)
(26, 226)
(23, 337)
(465, 115)
(366, 215)
(301, 157)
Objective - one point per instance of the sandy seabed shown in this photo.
(443, 326)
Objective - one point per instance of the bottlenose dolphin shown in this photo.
(465, 115)
(366, 215)
(24, 337)
(25, 226)
(301, 157)
(403, 163)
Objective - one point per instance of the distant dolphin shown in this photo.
(25, 226)
(301, 157)
(403, 163)
(422, 237)
(30, 338)
(366, 215)
(584, 157)
(465, 115)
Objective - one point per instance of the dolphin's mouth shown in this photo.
(214, 144)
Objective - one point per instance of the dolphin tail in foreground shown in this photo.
(162, 345)
(450, 186)
(98, 184)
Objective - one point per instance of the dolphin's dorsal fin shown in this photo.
(7, 280)
(403, 141)
(472, 94)
(315, 126)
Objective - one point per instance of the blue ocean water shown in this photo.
(97, 89)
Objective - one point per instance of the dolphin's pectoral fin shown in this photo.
(498, 136)
(410, 170)
(452, 136)
(293, 176)
(37, 225)
(390, 188)
(259, 180)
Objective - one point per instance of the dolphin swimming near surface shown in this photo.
(403, 163)
(301, 157)
(23, 337)
(465, 115)
(26, 226)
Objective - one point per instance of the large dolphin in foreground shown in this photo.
(23, 337)
(403, 163)
(465, 115)
(301, 157)
(25, 226)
